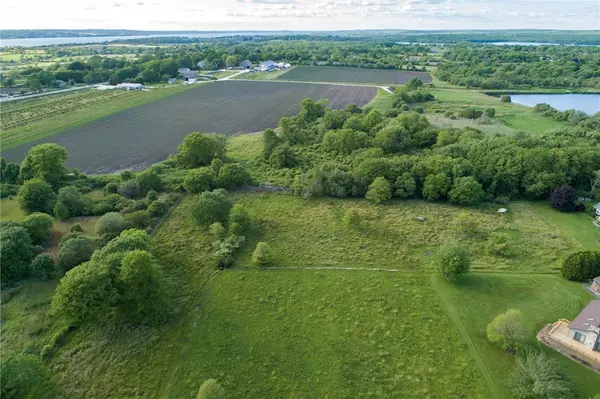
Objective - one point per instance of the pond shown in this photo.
(588, 103)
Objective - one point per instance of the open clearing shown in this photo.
(138, 137)
(310, 233)
(352, 75)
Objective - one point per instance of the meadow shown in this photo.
(310, 233)
(352, 75)
(138, 137)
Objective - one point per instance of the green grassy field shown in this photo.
(578, 225)
(316, 333)
(297, 334)
(382, 101)
(29, 120)
(474, 301)
(515, 116)
(245, 146)
(309, 233)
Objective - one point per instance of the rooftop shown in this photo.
(589, 317)
(597, 279)
(597, 206)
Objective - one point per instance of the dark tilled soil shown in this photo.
(139, 137)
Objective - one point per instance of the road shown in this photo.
(48, 93)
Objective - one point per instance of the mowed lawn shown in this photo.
(352, 75)
(324, 334)
(542, 299)
(141, 136)
(310, 233)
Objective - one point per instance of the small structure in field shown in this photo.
(420, 218)
(172, 81)
(182, 70)
(246, 64)
(130, 86)
(502, 211)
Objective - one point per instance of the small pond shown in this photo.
(588, 103)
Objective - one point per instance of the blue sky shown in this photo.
(301, 14)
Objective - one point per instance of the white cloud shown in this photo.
(303, 14)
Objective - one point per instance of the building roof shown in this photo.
(590, 316)
(597, 279)
(597, 206)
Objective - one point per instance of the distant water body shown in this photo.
(588, 103)
(50, 41)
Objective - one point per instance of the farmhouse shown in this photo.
(266, 66)
(246, 64)
(187, 75)
(130, 86)
(586, 326)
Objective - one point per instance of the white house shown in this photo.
(586, 326)
(596, 284)
(130, 86)
(172, 81)
(266, 66)
(597, 208)
(187, 75)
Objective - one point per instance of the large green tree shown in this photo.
(39, 227)
(16, 253)
(46, 162)
(537, 376)
(212, 206)
(200, 149)
(507, 330)
(453, 261)
(36, 195)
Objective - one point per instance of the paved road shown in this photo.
(48, 93)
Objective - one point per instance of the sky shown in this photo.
(300, 14)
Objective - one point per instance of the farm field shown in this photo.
(29, 120)
(138, 137)
(310, 234)
(352, 75)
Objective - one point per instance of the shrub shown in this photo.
(239, 215)
(452, 261)
(210, 389)
(561, 198)
(225, 249)
(233, 175)
(149, 180)
(217, 231)
(75, 251)
(262, 255)
(436, 186)
(76, 228)
(158, 208)
(22, 375)
(72, 199)
(16, 253)
(379, 191)
(110, 225)
(582, 265)
(61, 211)
(197, 181)
(419, 110)
(506, 330)
(43, 266)
(8, 190)
(151, 196)
(212, 206)
(143, 292)
(36, 195)
(39, 227)
(200, 149)
(139, 219)
(491, 112)
(537, 376)
(470, 113)
(130, 189)
(505, 98)
(466, 191)
(390, 113)
(84, 294)
(111, 188)
(498, 244)
(351, 219)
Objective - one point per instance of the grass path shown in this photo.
(496, 390)
(577, 225)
